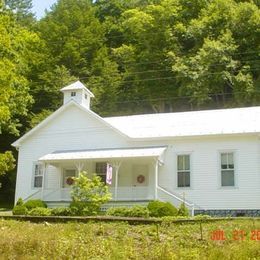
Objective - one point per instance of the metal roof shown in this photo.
(196, 123)
(104, 154)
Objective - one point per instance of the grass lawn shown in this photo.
(25, 240)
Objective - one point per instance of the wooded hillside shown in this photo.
(136, 56)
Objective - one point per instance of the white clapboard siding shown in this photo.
(70, 130)
(75, 129)
(205, 189)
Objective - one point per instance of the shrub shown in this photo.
(39, 211)
(61, 212)
(136, 211)
(88, 195)
(31, 204)
(19, 202)
(20, 210)
(183, 210)
(81, 208)
(202, 217)
(161, 209)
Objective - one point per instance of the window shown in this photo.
(86, 96)
(67, 175)
(183, 170)
(38, 175)
(227, 169)
(101, 170)
(73, 94)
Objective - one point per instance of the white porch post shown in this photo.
(116, 184)
(79, 166)
(43, 180)
(156, 179)
(116, 166)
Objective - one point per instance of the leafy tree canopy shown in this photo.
(16, 46)
(137, 56)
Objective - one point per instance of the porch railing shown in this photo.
(123, 193)
(175, 199)
(133, 193)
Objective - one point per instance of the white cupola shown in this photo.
(77, 92)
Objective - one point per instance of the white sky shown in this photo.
(40, 5)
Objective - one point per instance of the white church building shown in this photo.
(210, 160)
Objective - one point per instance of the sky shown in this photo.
(40, 5)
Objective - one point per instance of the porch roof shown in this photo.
(104, 154)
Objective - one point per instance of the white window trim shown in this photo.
(33, 175)
(191, 170)
(220, 170)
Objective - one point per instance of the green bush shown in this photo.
(20, 210)
(19, 202)
(183, 210)
(88, 195)
(61, 212)
(136, 211)
(172, 218)
(39, 211)
(161, 209)
(202, 217)
(31, 204)
(81, 208)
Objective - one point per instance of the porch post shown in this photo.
(43, 180)
(156, 179)
(79, 166)
(117, 166)
(116, 183)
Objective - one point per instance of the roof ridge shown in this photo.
(183, 112)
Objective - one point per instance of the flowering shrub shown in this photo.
(88, 195)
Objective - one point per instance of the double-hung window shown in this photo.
(227, 170)
(183, 170)
(37, 175)
(101, 170)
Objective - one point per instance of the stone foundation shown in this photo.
(229, 213)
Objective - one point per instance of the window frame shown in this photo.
(190, 170)
(102, 175)
(34, 176)
(73, 93)
(220, 152)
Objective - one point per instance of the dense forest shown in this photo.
(136, 56)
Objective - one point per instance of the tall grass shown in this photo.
(24, 240)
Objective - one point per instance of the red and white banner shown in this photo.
(109, 174)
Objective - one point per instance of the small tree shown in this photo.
(88, 195)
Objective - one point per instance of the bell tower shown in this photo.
(77, 92)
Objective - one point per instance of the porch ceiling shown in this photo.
(104, 154)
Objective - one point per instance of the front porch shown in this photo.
(123, 193)
(135, 173)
